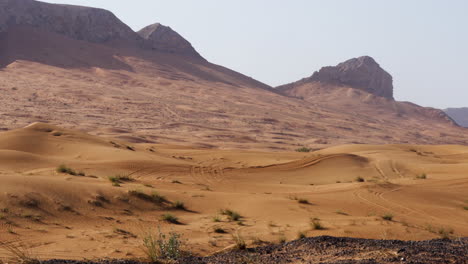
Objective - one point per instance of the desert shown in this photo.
(122, 146)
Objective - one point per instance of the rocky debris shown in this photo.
(163, 38)
(362, 73)
(336, 250)
(459, 115)
(81, 23)
(331, 250)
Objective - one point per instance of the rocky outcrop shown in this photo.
(459, 115)
(362, 73)
(163, 38)
(81, 23)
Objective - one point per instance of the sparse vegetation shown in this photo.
(301, 235)
(161, 246)
(387, 217)
(154, 197)
(67, 170)
(303, 149)
(219, 230)
(303, 201)
(422, 176)
(316, 224)
(239, 241)
(445, 233)
(216, 218)
(18, 253)
(118, 179)
(465, 207)
(170, 218)
(176, 182)
(232, 215)
(179, 205)
(360, 179)
(340, 212)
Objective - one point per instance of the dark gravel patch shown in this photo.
(332, 250)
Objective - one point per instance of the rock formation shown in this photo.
(459, 115)
(163, 38)
(362, 73)
(81, 23)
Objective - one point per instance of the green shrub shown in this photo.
(170, 218)
(120, 178)
(360, 179)
(161, 246)
(301, 235)
(387, 217)
(316, 225)
(445, 233)
(179, 205)
(219, 230)
(423, 176)
(64, 169)
(232, 215)
(303, 149)
(154, 197)
(239, 241)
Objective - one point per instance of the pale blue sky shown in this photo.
(422, 43)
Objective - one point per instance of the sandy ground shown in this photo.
(58, 215)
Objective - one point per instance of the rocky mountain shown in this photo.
(81, 67)
(362, 73)
(359, 85)
(163, 38)
(81, 23)
(460, 115)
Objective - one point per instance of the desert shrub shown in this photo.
(170, 218)
(387, 217)
(232, 215)
(303, 201)
(316, 224)
(301, 235)
(303, 149)
(239, 241)
(154, 197)
(179, 205)
(64, 169)
(216, 218)
(161, 246)
(422, 176)
(465, 207)
(219, 230)
(360, 179)
(119, 178)
(445, 233)
(340, 212)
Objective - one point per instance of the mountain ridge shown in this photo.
(133, 90)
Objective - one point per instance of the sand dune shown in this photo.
(59, 215)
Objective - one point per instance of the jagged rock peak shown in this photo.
(77, 22)
(361, 73)
(165, 39)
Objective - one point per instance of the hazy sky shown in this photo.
(422, 43)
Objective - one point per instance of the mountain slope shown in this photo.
(460, 115)
(153, 86)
